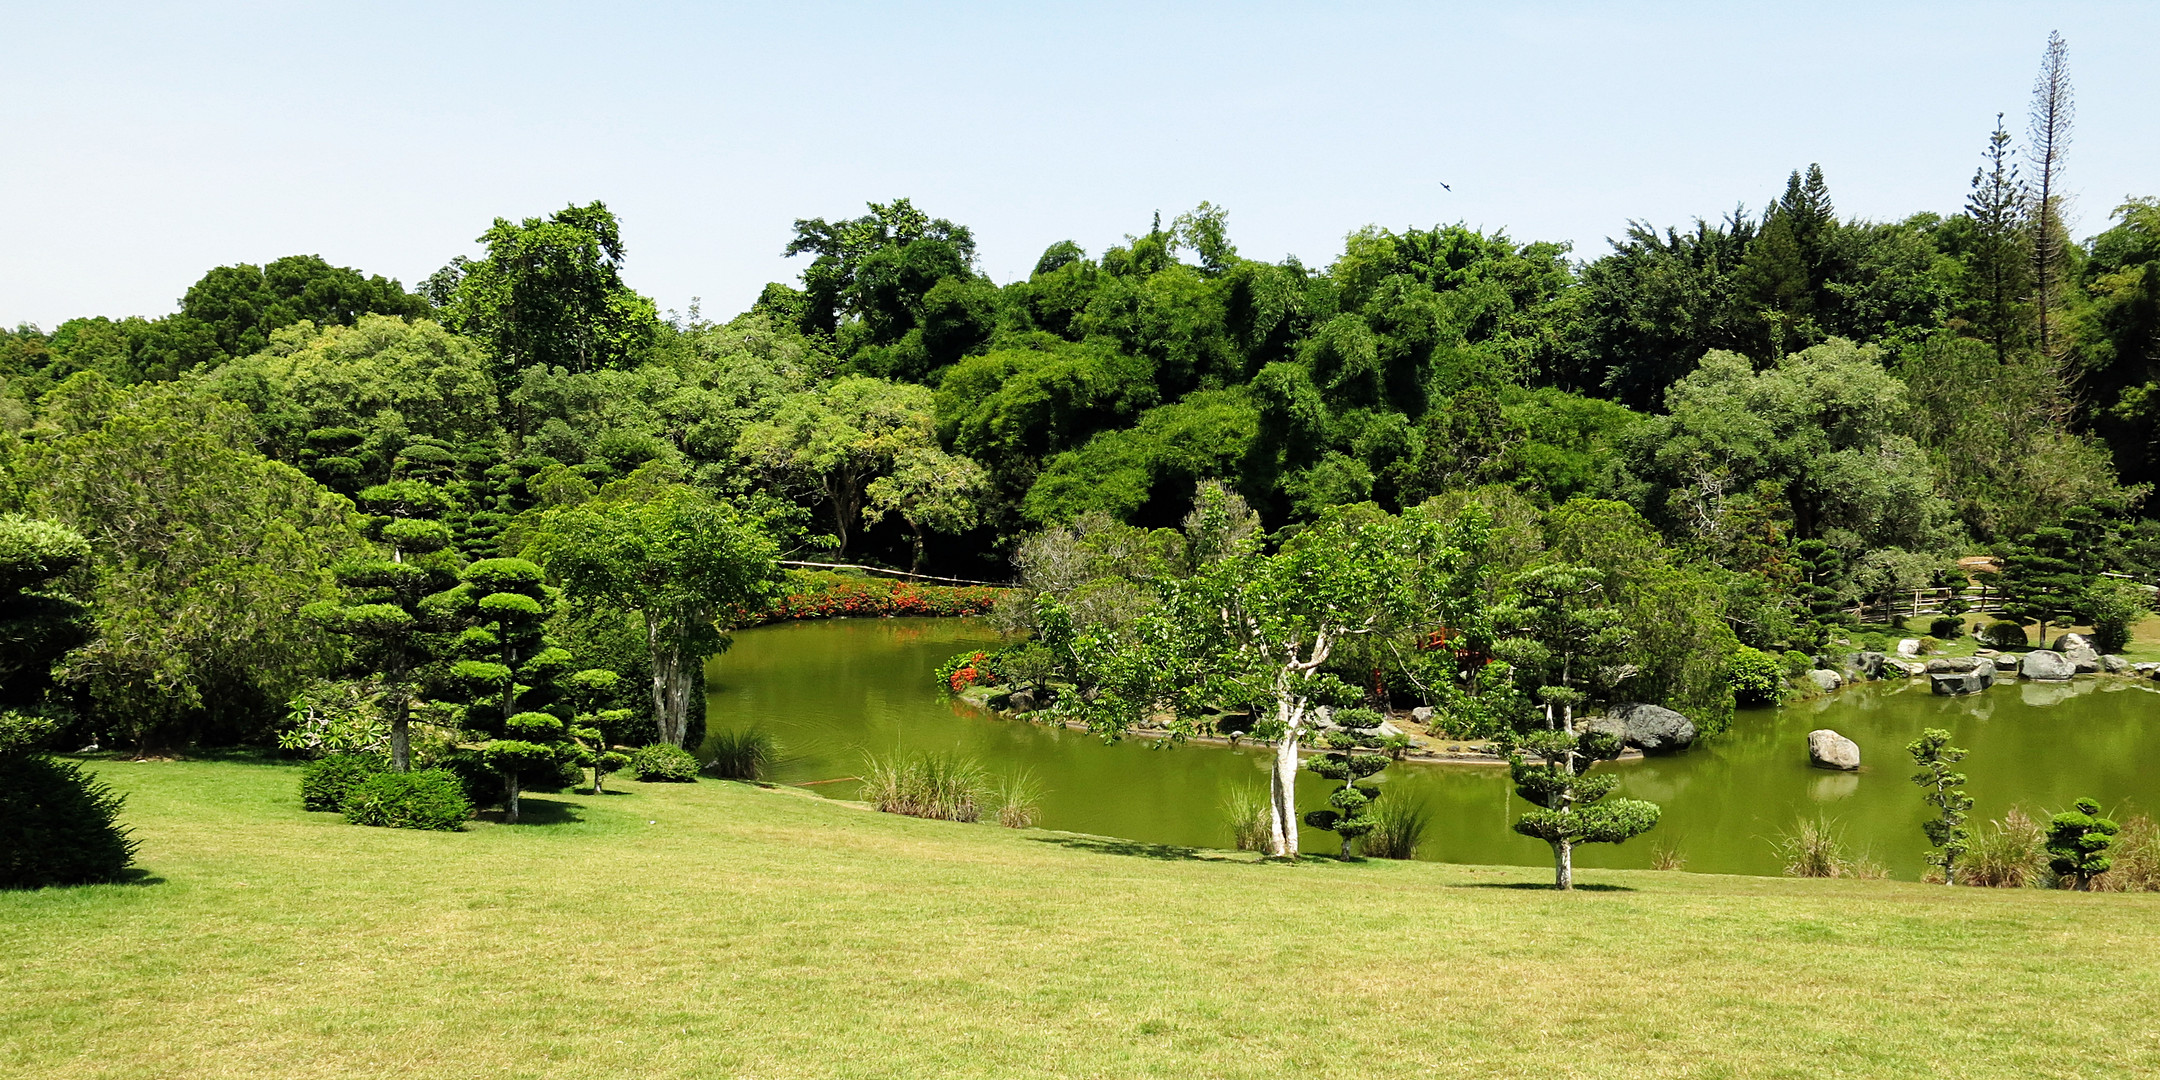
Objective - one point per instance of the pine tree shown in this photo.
(510, 672)
(2001, 255)
(392, 631)
(2048, 141)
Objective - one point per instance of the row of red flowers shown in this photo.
(822, 594)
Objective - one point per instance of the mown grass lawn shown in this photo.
(721, 930)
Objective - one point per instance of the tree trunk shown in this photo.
(670, 681)
(510, 799)
(1282, 796)
(916, 566)
(401, 735)
(1563, 861)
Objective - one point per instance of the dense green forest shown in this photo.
(1790, 414)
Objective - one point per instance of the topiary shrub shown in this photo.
(1797, 663)
(1757, 677)
(326, 782)
(664, 763)
(2004, 634)
(428, 799)
(1929, 645)
(58, 825)
(1947, 627)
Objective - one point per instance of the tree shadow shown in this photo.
(1132, 849)
(136, 875)
(1539, 886)
(533, 811)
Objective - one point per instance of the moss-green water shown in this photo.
(831, 691)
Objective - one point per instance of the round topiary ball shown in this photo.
(664, 763)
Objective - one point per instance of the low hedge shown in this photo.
(428, 799)
(664, 763)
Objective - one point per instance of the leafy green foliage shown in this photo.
(1758, 678)
(58, 825)
(549, 293)
(428, 799)
(1350, 807)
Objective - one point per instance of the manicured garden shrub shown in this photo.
(664, 763)
(427, 799)
(741, 755)
(1947, 627)
(1797, 663)
(2004, 634)
(327, 781)
(2078, 840)
(1929, 645)
(1757, 677)
(58, 825)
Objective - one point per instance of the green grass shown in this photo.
(719, 929)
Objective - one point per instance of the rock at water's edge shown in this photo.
(2044, 665)
(1826, 679)
(1826, 749)
(1653, 729)
(1963, 682)
(2114, 665)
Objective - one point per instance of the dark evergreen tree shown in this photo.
(2078, 840)
(1349, 815)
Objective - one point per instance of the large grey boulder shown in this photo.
(2068, 642)
(1653, 729)
(1962, 682)
(1908, 646)
(2086, 661)
(1943, 665)
(2045, 665)
(1826, 679)
(2005, 662)
(1826, 749)
(1869, 664)
(2114, 665)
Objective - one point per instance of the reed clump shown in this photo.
(749, 754)
(2008, 853)
(944, 787)
(2135, 859)
(1816, 849)
(1398, 829)
(1019, 799)
(1245, 809)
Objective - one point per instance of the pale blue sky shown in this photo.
(146, 144)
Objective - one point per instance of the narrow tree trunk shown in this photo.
(1282, 795)
(510, 799)
(401, 735)
(1563, 860)
(668, 685)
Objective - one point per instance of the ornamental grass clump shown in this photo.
(1816, 849)
(944, 787)
(428, 799)
(749, 754)
(2007, 854)
(1245, 808)
(664, 763)
(1019, 799)
(1398, 829)
(2136, 859)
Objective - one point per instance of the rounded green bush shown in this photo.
(1948, 628)
(58, 825)
(1757, 677)
(428, 799)
(327, 782)
(664, 763)
(2004, 634)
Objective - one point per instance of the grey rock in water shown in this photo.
(1021, 701)
(2086, 661)
(1945, 665)
(2043, 665)
(1826, 749)
(1826, 679)
(1962, 682)
(1870, 664)
(2005, 662)
(2113, 664)
(1653, 729)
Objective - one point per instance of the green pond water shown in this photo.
(832, 691)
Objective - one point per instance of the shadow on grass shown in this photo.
(136, 875)
(1539, 886)
(532, 811)
(1131, 848)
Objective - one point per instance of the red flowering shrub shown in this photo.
(822, 594)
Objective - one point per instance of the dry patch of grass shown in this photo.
(718, 929)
